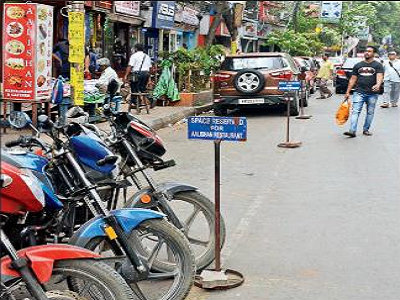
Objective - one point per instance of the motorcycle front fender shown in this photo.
(168, 188)
(42, 258)
(128, 218)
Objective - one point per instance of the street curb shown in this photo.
(173, 118)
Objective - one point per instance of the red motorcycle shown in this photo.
(56, 272)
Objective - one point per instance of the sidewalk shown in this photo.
(158, 118)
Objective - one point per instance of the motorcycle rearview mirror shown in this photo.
(45, 124)
(19, 119)
(107, 109)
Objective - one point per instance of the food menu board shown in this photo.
(44, 48)
(27, 64)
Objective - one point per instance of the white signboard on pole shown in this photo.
(331, 11)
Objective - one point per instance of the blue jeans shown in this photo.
(358, 101)
(63, 110)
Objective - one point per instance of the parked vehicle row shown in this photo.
(78, 181)
(252, 80)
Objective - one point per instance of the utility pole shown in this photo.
(295, 13)
(76, 37)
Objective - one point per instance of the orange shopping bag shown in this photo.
(343, 113)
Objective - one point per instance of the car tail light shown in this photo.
(341, 73)
(222, 77)
(287, 75)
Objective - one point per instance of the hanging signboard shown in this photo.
(164, 14)
(27, 51)
(331, 11)
(76, 33)
(131, 8)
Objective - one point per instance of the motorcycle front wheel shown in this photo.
(79, 280)
(167, 254)
(197, 215)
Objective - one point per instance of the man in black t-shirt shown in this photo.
(367, 79)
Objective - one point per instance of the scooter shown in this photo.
(47, 272)
(121, 231)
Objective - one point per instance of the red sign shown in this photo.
(19, 51)
(27, 51)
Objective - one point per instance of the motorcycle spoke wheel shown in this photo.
(167, 254)
(196, 212)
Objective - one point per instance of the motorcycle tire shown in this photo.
(179, 246)
(206, 257)
(84, 278)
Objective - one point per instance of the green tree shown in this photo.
(296, 43)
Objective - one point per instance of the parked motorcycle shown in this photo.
(61, 272)
(75, 164)
(140, 149)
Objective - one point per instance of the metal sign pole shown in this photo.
(287, 143)
(217, 153)
(212, 128)
(303, 116)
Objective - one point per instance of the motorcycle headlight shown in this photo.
(34, 185)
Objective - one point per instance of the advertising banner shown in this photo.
(44, 50)
(131, 8)
(164, 14)
(76, 32)
(331, 11)
(27, 51)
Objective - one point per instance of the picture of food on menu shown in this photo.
(15, 80)
(41, 65)
(42, 49)
(15, 29)
(15, 63)
(15, 47)
(42, 31)
(15, 12)
(41, 80)
(42, 14)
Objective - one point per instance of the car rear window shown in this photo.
(351, 62)
(240, 63)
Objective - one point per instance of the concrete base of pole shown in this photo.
(219, 280)
(289, 145)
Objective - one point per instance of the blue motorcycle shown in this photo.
(76, 213)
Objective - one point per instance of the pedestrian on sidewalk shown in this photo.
(324, 75)
(391, 81)
(367, 79)
(139, 66)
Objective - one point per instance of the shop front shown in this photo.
(187, 25)
(160, 34)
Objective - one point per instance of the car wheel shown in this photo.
(294, 106)
(249, 81)
(220, 111)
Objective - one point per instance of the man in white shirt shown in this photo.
(391, 81)
(139, 65)
(108, 74)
